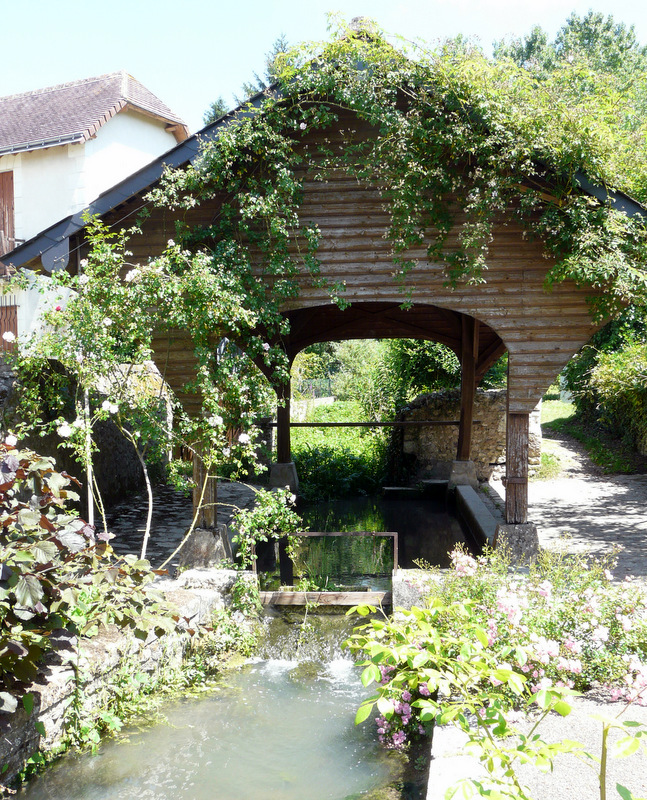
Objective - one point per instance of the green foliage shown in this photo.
(271, 517)
(549, 467)
(216, 110)
(620, 381)
(412, 366)
(244, 594)
(357, 363)
(58, 577)
(607, 380)
(338, 462)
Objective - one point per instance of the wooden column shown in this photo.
(283, 455)
(469, 354)
(207, 515)
(516, 481)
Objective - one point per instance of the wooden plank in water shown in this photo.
(325, 598)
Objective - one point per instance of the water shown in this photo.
(425, 528)
(279, 729)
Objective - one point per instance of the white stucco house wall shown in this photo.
(63, 146)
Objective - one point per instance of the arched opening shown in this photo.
(476, 344)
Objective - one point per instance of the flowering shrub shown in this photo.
(490, 641)
(403, 724)
(271, 517)
(571, 625)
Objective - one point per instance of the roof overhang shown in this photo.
(41, 144)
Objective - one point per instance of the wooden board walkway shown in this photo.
(325, 598)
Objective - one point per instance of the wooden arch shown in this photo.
(476, 345)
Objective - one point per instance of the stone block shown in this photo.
(520, 540)
(463, 473)
(205, 548)
(432, 448)
(285, 475)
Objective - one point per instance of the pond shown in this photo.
(280, 728)
(426, 529)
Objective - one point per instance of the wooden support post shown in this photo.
(516, 481)
(469, 355)
(286, 567)
(207, 514)
(283, 424)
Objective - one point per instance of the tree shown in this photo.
(216, 110)
(220, 107)
(594, 40)
(259, 83)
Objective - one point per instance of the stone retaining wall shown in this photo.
(100, 663)
(432, 447)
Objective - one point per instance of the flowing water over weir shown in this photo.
(281, 728)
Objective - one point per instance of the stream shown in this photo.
(280, 728)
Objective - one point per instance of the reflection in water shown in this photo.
(425, 529)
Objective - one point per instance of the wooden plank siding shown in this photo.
(540, 329)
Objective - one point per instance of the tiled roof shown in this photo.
(73, 112)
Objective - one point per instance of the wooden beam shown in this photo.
(488, 357)
(516, 481)
(283, 449)
(207, 509)
(325, 598)
(469, 352)
(403, 423)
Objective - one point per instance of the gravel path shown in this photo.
(585, 511)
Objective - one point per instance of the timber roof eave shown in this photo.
(184, 153)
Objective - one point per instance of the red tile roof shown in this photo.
(73, 112)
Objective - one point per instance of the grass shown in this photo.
(604, 450)
(551, 464)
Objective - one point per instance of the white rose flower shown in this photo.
(215, 420)
(107, 322)
(130, 276)
(64, 431)
(83, 279)
(244, 438)
(9, 336)
(113, 408)
(11, 440)
(266, 347)
(105, 405)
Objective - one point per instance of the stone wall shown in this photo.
(431, 448)
(101, 661)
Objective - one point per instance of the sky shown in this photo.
(189, 52)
